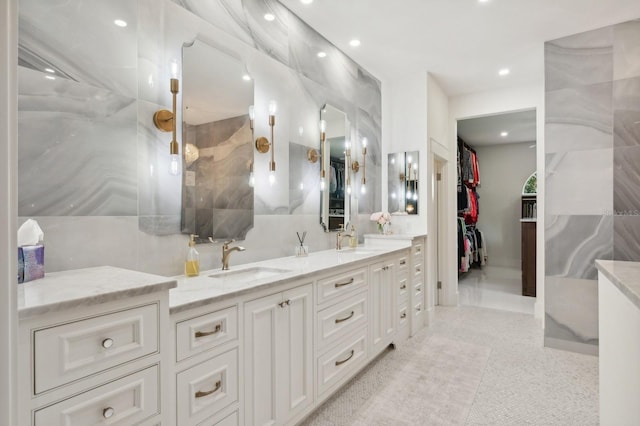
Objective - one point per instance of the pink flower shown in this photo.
(381, 217)
(375, 216)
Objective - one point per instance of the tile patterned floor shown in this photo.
(473, 366)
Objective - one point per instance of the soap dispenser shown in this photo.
(192, 264)
(353, 241)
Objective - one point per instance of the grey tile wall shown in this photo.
(592, 172)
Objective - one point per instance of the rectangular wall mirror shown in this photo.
(217, 198)
(403, 182)
(334, 205)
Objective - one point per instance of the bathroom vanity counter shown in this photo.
(197, 291)
(619, 341)
(624, 275)
(59, 291)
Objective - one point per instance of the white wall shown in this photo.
(504, 170)
(8, 210)
(489, 103)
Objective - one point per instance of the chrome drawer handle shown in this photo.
(338, 285)
(217, 329)
(339, 320)
(404, 315)
(108, 412)
(403, 262)
(107, 343)
(345, 360)
(201, 394)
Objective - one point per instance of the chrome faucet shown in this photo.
(342, 234)
(226, 252)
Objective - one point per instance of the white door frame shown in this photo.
(8, 211)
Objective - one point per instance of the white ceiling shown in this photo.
(483, 131)
(463, 43)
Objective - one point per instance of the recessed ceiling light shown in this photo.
(354, 43)
(504, 134)
(306, 1)
(321, 54)
(120, 23)
(246, 77)
(269, 17)
(483, 1)
(50, 70)
(49, 77)
(504, 71)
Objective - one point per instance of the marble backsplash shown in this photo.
(93, 168)
(592, 145)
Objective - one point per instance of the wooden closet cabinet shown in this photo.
(529, 258)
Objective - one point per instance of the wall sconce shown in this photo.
(252, 116)
(409, 194)
(363, 187)
(166, 121)
(323, 137)
(312, 155)
(263, 144)
(347, 152)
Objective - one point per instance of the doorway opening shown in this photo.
(497, 211)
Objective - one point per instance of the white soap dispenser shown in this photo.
(192, 264)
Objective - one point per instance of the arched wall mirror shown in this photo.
(403, 182)
(530, 186)
(334, 198)
(217, 198)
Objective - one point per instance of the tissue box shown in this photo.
(30, 263)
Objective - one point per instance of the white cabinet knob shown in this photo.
(107, 343)
(108, 412)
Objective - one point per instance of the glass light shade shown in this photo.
(174, 167)
(252, 112)
(323, 126)
(272, 177)
(323, 183)
(273, 108)
(363, 189)
(252, 180)
(364, 142)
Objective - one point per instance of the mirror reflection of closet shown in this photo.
(334, 205)
(403, 182)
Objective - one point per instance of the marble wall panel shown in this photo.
(571, 307)
(626, 112)
(304, 185)
(579, 60)
(579, 182)
(579, 118)
(270, 37)
(232, 223)
(626, 237)
(77, 150)
(626, 50)
(573, 243)
(626, 180)
(152, 68)
(160, 225)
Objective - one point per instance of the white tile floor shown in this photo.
(496, 288)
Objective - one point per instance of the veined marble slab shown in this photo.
(59, 291)
(624, 275)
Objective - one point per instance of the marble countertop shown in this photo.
(59, 291)
(624, 275)
(407, 236)
(197, 291)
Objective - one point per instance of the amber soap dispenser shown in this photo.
(192, 264)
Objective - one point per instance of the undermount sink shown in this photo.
(241, 277)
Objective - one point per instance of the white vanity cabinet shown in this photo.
(419, 286)
(278, 352)
(94, 359)
(383, 290)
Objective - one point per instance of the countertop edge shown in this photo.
(606, 268)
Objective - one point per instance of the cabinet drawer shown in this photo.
(338, 284)
(231, 420)
(72, 351)
(335, 322)
(342, 360)
(199, 334)
(206, 388)
(403, 315)
(418, 271)
(418, 289)
(403, 263)
(123, 402)
(403, 287)
(418, 252)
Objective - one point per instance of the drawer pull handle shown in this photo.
(418, 270)
(338, 285)
(202, 394)
(403, 286)
(403, 262)
(418, 290)
(108, 412)
(107, 343)
(285, 303)
(217, 329)
(418, 309)
(347, 359)
(404, 315)
(339, 320)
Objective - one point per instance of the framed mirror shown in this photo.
(403, 185)
(217, 197)
(334, 198)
